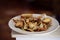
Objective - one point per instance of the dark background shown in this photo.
(11, 8)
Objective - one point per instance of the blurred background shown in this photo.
(11, 8)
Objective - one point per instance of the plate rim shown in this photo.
(34, 32)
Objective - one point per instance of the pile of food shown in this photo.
(32, 24)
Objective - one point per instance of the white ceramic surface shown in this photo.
(55, 26)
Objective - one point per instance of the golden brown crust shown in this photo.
(26, 15)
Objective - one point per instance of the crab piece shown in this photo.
(30, 30)
(32, 25)
(27, 20)
(16, 20)
(42, 27)
(35, 28)
(45, 27)
(25, 26)
(19, 24)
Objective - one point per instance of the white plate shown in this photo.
(55, 26)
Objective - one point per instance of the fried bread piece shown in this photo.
(26, 15)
